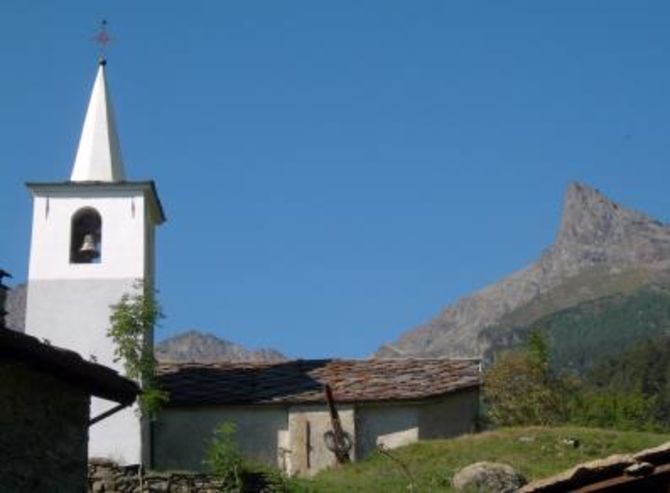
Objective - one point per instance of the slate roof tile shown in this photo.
(302, 381)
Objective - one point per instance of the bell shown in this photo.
(88, 249)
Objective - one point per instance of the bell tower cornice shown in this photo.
(100, 189)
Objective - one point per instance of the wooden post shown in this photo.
(338, 441)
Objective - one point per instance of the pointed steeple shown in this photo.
(99, 154)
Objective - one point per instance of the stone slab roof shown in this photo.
(643, 471)
(97, 380)
(302, 381)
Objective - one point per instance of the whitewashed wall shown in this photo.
(181, 436)
(398, 424)
(291, 437)
(69, 304)
(450, 416)
(124, 221)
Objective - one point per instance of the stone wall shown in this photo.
(107, 477)
(43, 431)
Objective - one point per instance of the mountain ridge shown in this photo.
(201, 347)
(598, 244)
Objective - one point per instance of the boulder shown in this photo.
(488, 477)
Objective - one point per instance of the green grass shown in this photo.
(535, 452)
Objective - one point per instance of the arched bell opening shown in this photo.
(86, 237)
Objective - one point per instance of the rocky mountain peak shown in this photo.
(601, 248)
(597, 230)
(589, 217)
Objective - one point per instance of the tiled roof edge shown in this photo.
(97, 379)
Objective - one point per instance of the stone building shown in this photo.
(280, 413)
(45, 393)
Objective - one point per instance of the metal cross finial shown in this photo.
(102, 38)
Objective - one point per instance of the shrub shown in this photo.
(621, 410)
(132, 320)
(520, 388)
(223, 456)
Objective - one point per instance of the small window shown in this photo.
(86, 237)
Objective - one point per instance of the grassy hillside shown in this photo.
(535, 452)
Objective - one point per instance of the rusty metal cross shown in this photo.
(102, 38)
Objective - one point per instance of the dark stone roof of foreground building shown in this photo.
(302, 381)
(96, 379)
(648, 471)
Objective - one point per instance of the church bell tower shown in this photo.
(92, 240)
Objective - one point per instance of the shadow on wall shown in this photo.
(254, 397)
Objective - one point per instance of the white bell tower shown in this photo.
(92, 240)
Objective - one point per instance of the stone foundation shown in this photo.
(106, 477)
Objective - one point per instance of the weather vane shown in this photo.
(102, 39)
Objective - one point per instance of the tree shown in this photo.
(132, 321)
(520, 388)
(619, 410)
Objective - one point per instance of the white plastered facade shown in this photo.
(290, 437)
(69, 302)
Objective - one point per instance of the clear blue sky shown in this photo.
(335, 173)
